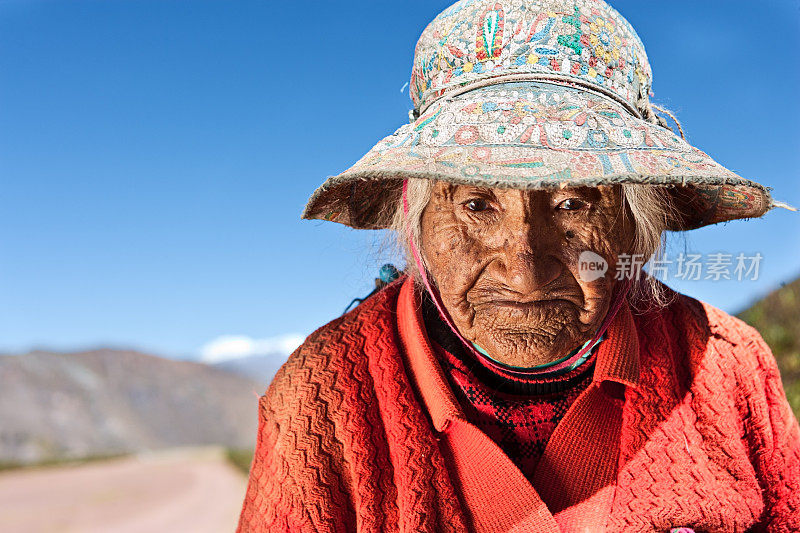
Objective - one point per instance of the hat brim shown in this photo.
(536, 135)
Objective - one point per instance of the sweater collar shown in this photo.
(617, 357)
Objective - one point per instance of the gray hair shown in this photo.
(649, 206)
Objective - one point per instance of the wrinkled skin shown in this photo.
(505, 262)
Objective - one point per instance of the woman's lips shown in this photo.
(528, 304)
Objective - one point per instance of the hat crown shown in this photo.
(584, 41)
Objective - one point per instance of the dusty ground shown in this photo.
(179, 490)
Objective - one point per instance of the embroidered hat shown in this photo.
(535, 94)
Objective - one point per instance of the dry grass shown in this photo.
(241, 459)
(777, 318)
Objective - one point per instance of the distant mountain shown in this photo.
(777, 318)
(101, 402)
(258, 368)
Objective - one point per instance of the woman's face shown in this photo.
(506, 263)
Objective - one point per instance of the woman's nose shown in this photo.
(530, 258)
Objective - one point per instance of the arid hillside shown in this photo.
(56, 406)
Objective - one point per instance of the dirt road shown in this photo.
(180, 490)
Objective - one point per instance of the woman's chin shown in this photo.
(530, 348)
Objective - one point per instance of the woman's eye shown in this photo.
(571, 204)
(477, 205)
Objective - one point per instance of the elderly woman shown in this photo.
(524, 374)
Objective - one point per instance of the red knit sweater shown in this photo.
(685, 424)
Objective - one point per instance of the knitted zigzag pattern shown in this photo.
(343, 444)
(693, 422)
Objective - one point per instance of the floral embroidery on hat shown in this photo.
(586, 40)
(489, 43)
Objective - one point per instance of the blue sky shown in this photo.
(155, 155)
